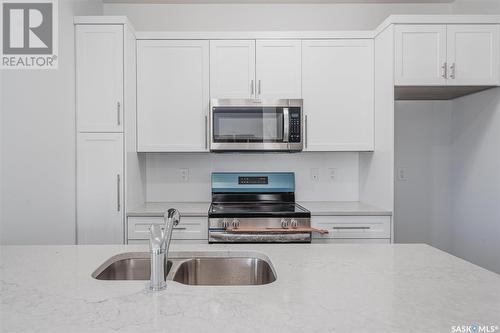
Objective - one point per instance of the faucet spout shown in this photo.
(159, 243)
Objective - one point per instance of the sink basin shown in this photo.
(127, 266)
(224, 271)
(193, 268)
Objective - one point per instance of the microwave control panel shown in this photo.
(295, 124)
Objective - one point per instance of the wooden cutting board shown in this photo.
(275, 230)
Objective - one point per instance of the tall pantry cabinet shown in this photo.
(102, 76)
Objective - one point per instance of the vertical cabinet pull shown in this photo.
(206, 132)
(259, 90)
(118, 203)
(305, 130)
(252, 88)
(118, 116)
(453, 69)
(444, 69)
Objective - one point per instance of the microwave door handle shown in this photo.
(286, 125)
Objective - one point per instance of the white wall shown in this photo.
(476, 7)
(451, 198)
(422, 148)
(220, 17)
(475, 178)
(38, 144)
(164, 182)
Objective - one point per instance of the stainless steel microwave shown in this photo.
(248, 125)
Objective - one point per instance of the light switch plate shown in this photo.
(402, 174)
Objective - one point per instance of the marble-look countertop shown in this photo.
(325, 208)
(155, 209)
(319, 288)
(334, 208)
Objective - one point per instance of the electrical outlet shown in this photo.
(332, 173)
(184, 175)
(315, 174)
(402, 174)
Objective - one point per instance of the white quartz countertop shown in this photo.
(316, 207)
(342, 208)
(159, 208)
(319, 288)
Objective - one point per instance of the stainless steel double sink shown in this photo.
(193, 268)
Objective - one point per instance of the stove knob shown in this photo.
(225, 223)
(236, 223)
(294, 223)
(284, 224)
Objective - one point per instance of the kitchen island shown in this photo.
(319, 288)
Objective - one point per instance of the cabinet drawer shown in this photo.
(188, 228)
(353, 226)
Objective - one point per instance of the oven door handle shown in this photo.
(286, 125)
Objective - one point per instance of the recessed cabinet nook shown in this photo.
(150, 92)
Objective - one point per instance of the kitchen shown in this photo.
(381, 203)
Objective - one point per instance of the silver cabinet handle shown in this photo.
(252, 88)
(453, 69)
(305, 130)
(444, 69)
(118, 203)
(180, 228)
(118, 116)
(259, 90)
(206, 132)
(351, 228)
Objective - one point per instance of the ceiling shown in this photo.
(276, 1)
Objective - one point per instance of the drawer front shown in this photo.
(343, 227)
(188, 228)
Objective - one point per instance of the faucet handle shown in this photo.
(172, 216)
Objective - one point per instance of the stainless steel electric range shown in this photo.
(256, 208)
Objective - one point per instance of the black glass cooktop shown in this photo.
(257, 210)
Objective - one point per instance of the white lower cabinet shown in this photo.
(353, 229)
(189, 228)
(100, 188)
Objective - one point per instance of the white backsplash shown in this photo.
(164, 177)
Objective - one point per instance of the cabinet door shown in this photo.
(100, 188)
(420, 55)
(99, 78)
(172, 95)
(232, 69)
(337, 87)
(473, 54)
(279, 69)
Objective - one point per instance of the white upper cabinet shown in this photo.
(100, 218)
(232, 68)
(172, 95)
(279, 69)
(439, 55)
(420, 55)
(338, 92)
(255, 69)
(473, 54)
(99, 78)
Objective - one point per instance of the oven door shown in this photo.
(250, 125)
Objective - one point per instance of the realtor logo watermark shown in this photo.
(29, 34)
(474, 328)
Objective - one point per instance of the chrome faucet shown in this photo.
(159, 242)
